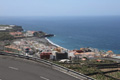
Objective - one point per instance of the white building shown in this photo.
(3, 27)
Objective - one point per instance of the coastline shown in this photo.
(93, 49)
(45, 39)
(54, 43)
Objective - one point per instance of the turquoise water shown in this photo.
(75, 32)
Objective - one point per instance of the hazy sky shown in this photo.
(59, 7)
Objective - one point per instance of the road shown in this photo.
(22, 69)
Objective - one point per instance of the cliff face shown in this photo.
(17, 28)
(42, 34)
(39, 34)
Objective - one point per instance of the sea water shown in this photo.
(102, 32)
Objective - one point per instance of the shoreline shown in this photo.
(46, 41)
(54, 43)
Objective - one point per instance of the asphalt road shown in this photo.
(21, 69)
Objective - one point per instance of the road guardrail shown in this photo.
(52, 65)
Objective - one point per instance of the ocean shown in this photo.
(102, 32)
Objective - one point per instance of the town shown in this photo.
(36, 44)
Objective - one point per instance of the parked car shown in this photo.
(65, 61)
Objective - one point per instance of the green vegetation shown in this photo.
(115, 74)
(5, 36)
(95, 69)
(101, 77)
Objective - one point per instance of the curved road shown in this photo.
(22, 69)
